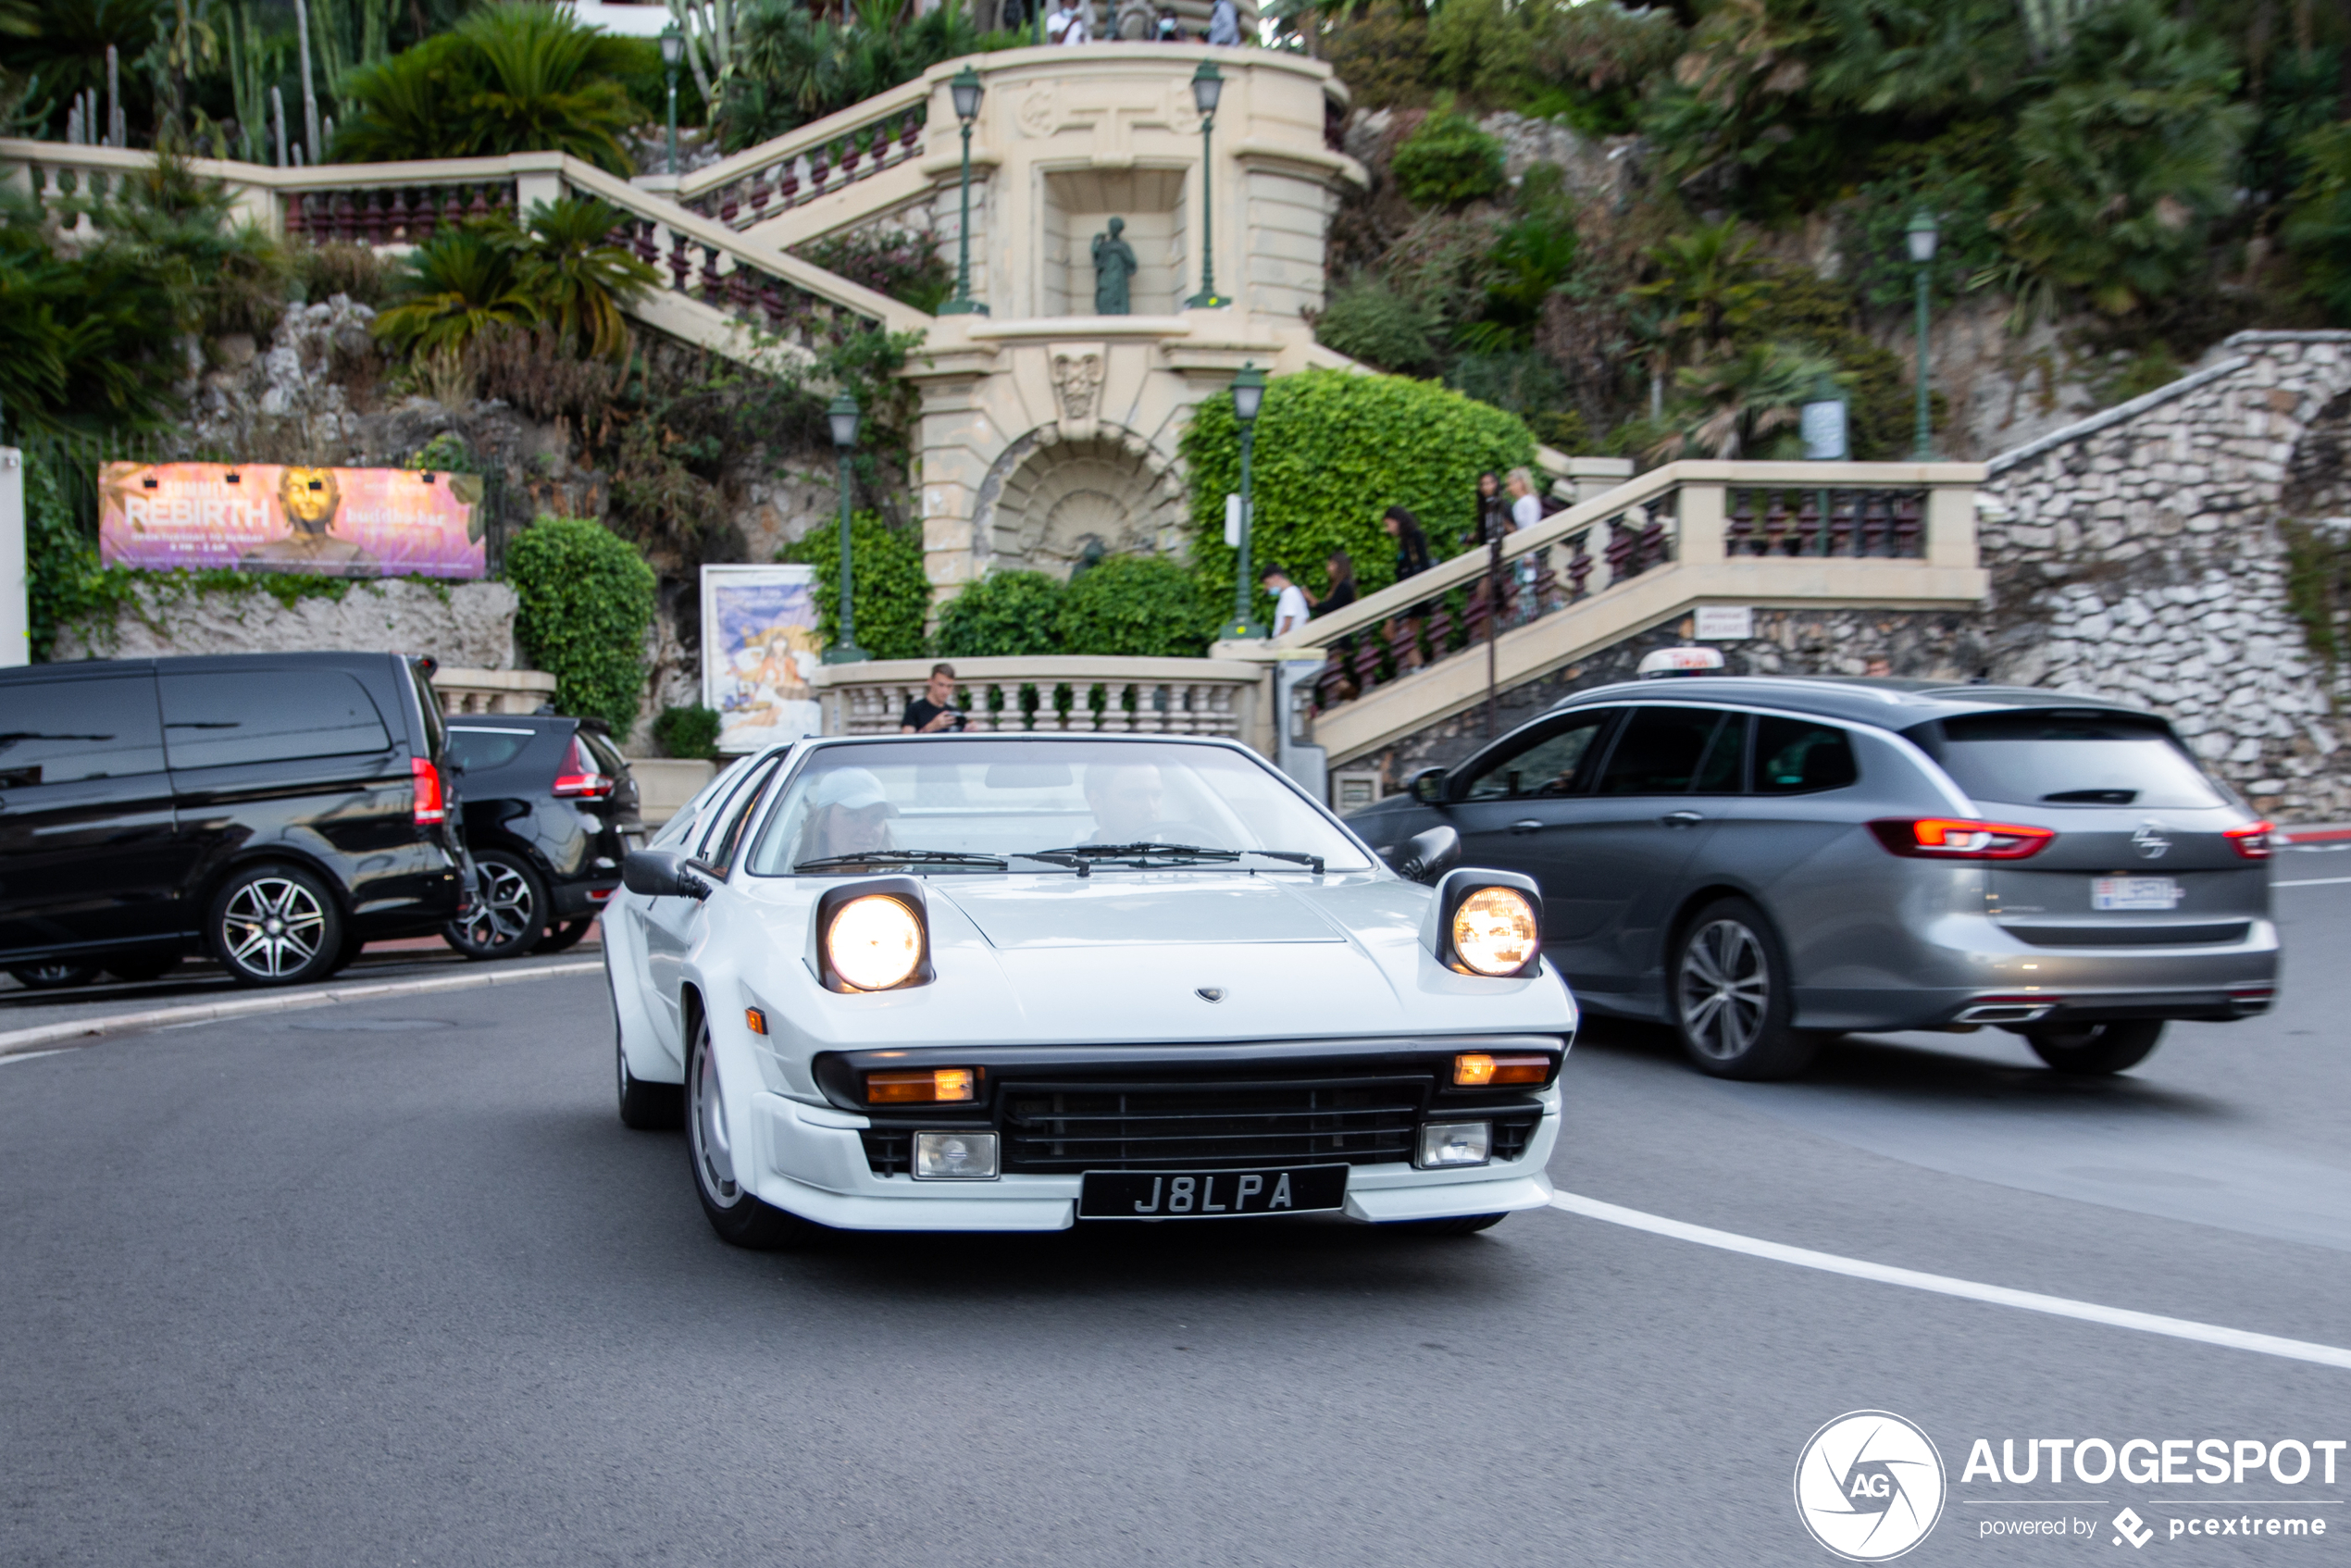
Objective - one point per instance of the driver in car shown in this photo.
(848, 813)
(1124, 798)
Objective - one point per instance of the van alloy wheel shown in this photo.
(273, 927)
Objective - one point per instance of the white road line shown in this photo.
(19, 1042)
(2312, 882)
(32, 1055)
(1943, 1285)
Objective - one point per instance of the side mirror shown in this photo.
(664, 874)
(1427, 786)
(1426, 857)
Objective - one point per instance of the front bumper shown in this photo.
(811, 1161)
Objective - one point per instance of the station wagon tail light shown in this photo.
(1943, 838)
(928, 1086)
(579, 779)
(1494, 931)
(431, 804)
(2254, 841)
(1475, 1069)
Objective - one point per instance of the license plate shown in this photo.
(2134, 892)
(1199, 1195)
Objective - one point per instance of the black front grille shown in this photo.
(889, 1150)
(1512, 1134)
(1067, 1127)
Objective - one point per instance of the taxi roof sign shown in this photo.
(1679, 661)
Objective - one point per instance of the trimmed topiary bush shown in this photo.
(1448, 161)
(1005, 615)
(893, 591)
(1138, 606)
(688, 732)
(1334, 452)
(585, 599)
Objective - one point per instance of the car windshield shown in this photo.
(2060, 758)
(977, 805)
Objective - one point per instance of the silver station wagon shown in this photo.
(1761, 862)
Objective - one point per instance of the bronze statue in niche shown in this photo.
(1114, 268)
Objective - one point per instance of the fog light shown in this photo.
(955, 1156)
(1453, 1143)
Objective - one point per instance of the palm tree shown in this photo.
(574, 277)
(1747, 405)
(463, 281)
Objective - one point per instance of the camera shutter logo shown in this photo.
(1868, 1485)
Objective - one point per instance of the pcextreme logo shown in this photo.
(1868, 1485)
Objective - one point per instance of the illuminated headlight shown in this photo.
(874, 942)
(1494, 931)
(1454, 1143)
(954, 1156)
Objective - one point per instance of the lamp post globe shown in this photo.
(1208, 86)
(966, 90)
(673, 52)
(1922, 236)
(1249, 396)
(842, 415)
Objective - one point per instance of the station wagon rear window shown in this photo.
(2061, 758)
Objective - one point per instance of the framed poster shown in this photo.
(759, 650)
(277, 517)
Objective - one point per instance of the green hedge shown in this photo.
(1138, 606)
(1447, 161)
(1334, 452)
(688, 732)
(585, 599)
(1003, 616)
(893, 591)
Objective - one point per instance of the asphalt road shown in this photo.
(390, 1284)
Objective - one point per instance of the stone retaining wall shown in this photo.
(469, 624)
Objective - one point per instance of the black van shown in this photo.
(274, 810)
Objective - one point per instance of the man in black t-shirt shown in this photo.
(935, 710)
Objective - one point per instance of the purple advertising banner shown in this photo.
(268, 517)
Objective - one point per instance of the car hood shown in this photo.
(1122, 909)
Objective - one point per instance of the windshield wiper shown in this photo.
(919, 857)
(1184, 851)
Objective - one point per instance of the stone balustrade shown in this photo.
(492, 690)
(1085, 696)
(825, 156)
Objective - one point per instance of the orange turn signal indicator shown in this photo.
(933, 1086)
(1475, 1069)
(754, 1020)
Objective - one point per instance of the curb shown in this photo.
(15, 1041)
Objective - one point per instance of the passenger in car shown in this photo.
(848, 813)
(1124, 798)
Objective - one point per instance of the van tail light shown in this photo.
(2256, 840)
(579, 779)
(431, 804)
(1943, 838)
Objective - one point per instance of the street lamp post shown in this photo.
(966, 90)
(843, 415)
(673, 50)
(1248, 395)
(1923, 235)
(1207, 86)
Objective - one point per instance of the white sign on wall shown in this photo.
(1726, 623)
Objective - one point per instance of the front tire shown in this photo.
(1731, 996)
(2090, 1049)
(509, 913)
(740, 1219)
(276, 925)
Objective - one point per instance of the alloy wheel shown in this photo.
(272, 927)
(706, 1124)
(1725, 990)
(503, 908)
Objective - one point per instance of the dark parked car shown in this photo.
(1760, 861)
(551, 812)
(274, 810)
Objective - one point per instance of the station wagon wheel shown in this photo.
(509, 913)
(739, 1217)
(1730, 995)
(2091, 1049)
(275, 925)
